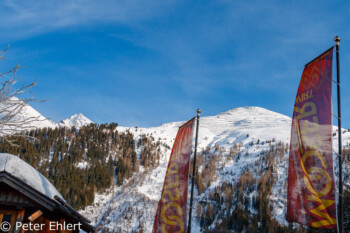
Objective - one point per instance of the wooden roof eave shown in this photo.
(42, 200)
(27, 190)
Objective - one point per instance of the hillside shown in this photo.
(115, 174)
(243, 153)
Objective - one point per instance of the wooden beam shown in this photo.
(35, 216)
(20, 217)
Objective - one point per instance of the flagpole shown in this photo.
(193, 172)
(340, 198)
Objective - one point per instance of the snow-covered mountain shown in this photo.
(39, 121)
(253, 130)
(236, 141)
(227, 128)
(18, 115)
(77, 120)
(240, 125)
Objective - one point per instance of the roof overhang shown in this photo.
(40, 199)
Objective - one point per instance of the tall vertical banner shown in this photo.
(311, 192)
(171, 213)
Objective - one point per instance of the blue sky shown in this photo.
(143, 63)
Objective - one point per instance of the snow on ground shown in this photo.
(82, 165)
(279, 196)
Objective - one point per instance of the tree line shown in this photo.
(82, 162)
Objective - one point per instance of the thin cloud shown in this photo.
(24, 18)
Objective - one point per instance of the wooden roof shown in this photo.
(28, 196)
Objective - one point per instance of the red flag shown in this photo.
(311, 197)
(171, 214)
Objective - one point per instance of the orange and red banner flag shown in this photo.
(171, 213)
(311, 193)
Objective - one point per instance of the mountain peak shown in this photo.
(245, 109)
(251, 111)
(78, 120)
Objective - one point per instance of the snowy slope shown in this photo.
(40, 121)
(240, 125)
(77, 120)
(133, 204)
(15, 113)
(227, 128)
